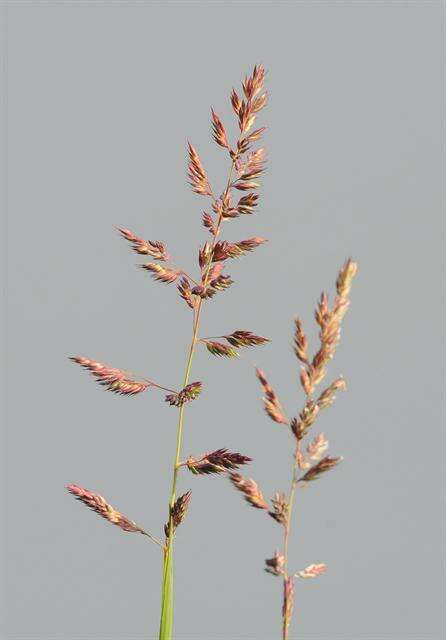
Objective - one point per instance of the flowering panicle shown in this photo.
(177, 513)
(310, 461)
(98, 504)
(153, 248)
(190, 392)
(247, 164)
(250, 490)
(197, 175)
(218, 461)
(271, 402)
(115, 380)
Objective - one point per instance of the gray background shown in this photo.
(100, 100)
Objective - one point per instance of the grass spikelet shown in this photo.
(275, 565)
(220, 283)
(218, 461)
(300, 341)
(306, 419)
(197, 175)
(224, 250)
(317, 447)
(312, 571)
(320, 468)
(279, 512)
(177, 513)
(345, 278)
(113, 379)
(254, 83)
(154, 248)
(271, 402)
(245, 339)
(253, 166)
(329, 321)
(189, 393)
(218, 131)
(220, 349)
(98, 504)
(247, 203)
(250, 490)
(161, 273)
(185, 292)
(208, 223)
(328, 396)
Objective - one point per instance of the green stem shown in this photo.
(294, 480)
(166, 622)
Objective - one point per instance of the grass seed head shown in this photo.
(275, 565)
(270, 401)
(218, 461)
(249, 489)
(177, 513)
(98, 504)
(154, 248)
(114, 380)
(190, 392)
(320, 468)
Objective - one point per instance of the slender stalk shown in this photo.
(166, 623)
(294, 480)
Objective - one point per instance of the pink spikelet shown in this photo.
(190, 392)
(197, 175)
(154, 248)
(114, 380)
(217, 461)
(98, 504)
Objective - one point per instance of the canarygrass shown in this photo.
(309, 461)
(245, 167)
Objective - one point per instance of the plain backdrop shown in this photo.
(100, 98)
